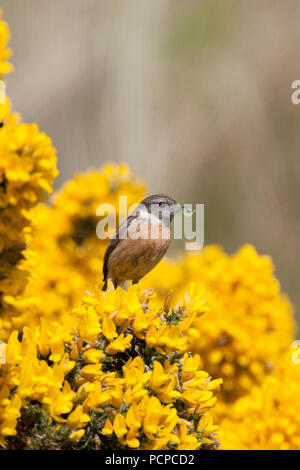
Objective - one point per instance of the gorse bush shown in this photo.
(250, 324)
(198, 352)
(269, 416)
(113, 373)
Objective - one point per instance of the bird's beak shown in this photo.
(178, 209)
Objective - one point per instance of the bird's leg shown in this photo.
(124, 284)
(135, 281)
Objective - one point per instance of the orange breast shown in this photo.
(137, 255)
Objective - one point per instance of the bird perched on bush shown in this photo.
(141, 240)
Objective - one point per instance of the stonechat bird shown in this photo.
(140, 241)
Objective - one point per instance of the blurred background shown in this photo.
(194, 95)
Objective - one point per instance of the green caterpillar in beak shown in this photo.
(187, 212)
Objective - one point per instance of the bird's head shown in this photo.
(160, 205)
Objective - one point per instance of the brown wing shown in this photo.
(115, 240)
